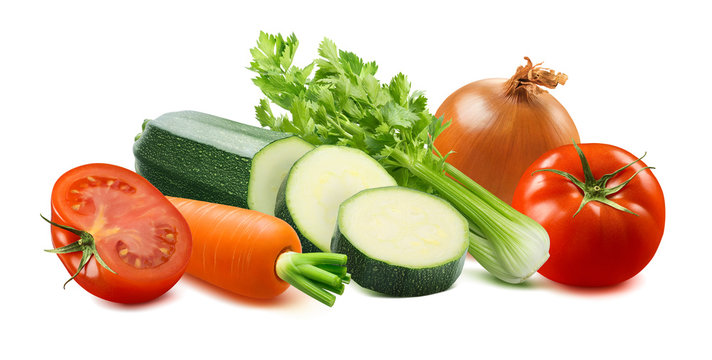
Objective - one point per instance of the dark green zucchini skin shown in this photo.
(395, 280)
(200, 156)
(282, 211)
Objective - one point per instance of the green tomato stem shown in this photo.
(595, 189)
(86, 244)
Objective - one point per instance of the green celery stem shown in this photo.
(465, 201)
(480, 191)
(315, 274)
(507, 243)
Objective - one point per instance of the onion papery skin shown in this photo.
(499, 127)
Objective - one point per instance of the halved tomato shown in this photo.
(141, 237)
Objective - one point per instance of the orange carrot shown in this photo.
(256, 255)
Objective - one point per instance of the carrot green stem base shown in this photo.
(319, 275)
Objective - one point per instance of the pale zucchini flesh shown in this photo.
(269, 168)
(400, 241)
(316, 185)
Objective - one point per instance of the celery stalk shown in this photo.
(343, 103)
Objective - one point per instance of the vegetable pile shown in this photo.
(143, 242)
(344, 104)
(362, 169)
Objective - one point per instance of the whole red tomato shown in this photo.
(135, 243)
(602, 207)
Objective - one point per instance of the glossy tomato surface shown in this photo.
(138, 233)
(601, 245)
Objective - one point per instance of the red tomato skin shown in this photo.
(128, 285)
(600, 246)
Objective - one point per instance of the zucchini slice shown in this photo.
(318, 182)
(400, 241)
(204, 157)
(269, 168)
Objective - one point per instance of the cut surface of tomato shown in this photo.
(137, 232)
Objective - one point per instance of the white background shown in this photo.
(78, 78)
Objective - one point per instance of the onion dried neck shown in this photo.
(528, 79)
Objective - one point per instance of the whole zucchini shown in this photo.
(204, 157)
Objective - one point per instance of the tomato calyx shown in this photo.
(595, 189)
(85, 244)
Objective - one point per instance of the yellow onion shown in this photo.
(500, 126)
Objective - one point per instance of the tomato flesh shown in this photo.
(138, 233)
(600, 245)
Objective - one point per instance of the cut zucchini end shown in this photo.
(200, 156)
(269, 168)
